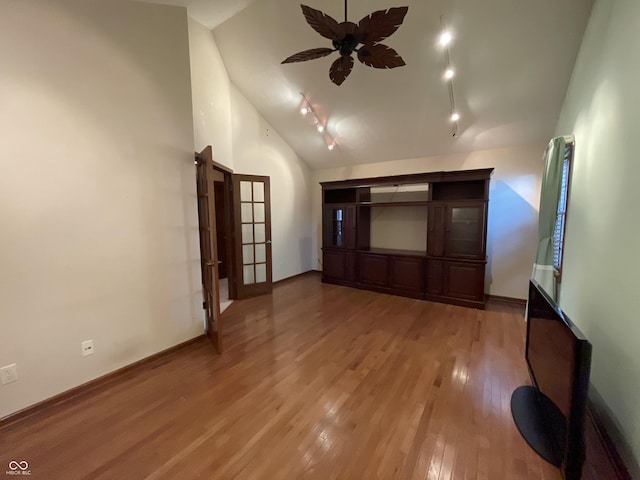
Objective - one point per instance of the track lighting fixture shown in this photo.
(306, 109)
(445, 40)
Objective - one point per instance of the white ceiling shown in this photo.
(513, 59)
(209, 13)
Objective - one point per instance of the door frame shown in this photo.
(229, 226)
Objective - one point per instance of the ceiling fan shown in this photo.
(346, 37)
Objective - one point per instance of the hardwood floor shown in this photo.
(316, 382)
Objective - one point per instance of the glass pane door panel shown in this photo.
(465, 231)
(465, 214)
(337, 234)
(260, 235)
(261, 272)
(246, 212)
(247, 254)
(247, 233)
(258, 212)
(261, 253)
(258, 192)
(245, 192)
(336, 227)
(248, 275)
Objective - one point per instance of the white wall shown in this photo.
(97, 191)
(513, 206)
(602, 261)
(211, 91)
(259, 150)
(402, 228)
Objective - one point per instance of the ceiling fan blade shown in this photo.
(321, 23)
(308, 55)
(340, 69)
(380, 56)
(381, 24)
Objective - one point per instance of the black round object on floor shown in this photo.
(528, 411)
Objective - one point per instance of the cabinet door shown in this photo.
(333, 264)
(464, 280)
(465, 230)
(339, 226)
(407, 274)
(434, 277)
(374, 269)
(333, 231)
(435, 230)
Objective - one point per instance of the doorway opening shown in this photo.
(222, 182)
(234, 223)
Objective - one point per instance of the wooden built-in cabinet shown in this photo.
(439, 255)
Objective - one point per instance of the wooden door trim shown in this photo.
(229, 223)
(206, 157)
(221, 167)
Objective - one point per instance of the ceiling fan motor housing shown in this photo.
(347, 45)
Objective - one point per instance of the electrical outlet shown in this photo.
(9, 373)
(87, 348)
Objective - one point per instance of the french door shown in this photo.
(252, 210)
(208, 245)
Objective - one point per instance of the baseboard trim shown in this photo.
(93, 385)
(294, 277)
(613, 456)
(521, 302)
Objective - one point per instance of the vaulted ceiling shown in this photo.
(513, 61)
